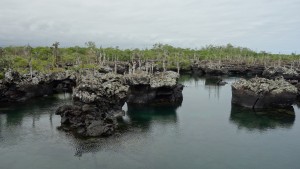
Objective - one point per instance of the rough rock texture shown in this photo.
(160, 88)
(16, 87)
(263, 93)
(87, 120)
(225, 68)
(298, 87)
(107, 91)
(98, 100)
(122, 67)
(105, 69)
(287, 73)
(210, 68)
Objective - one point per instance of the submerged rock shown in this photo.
(263, 93)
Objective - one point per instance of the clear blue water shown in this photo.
(204, 132)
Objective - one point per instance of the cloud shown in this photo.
(259, 24)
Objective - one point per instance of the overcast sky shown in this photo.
(270, 25)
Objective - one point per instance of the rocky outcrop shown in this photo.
(225, 68)
(159, 88)
(263, 93)
(211, 68)
(98, 101)
(107, 91)
(15, 87)
(87, 120)
(286, 73)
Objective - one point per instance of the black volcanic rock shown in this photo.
(159, 88)
(263, 93)
(286, 73)
(98, 99)
(15, 87)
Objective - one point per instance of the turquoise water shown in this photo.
(204, 132)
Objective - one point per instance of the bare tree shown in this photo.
(129, 69)
(104, 57)
(116, 64)
(27, 52)
(77, 55)
(133, 67)
(92, 47)
(55, 53)
(1, 52)
(100, 56)
(146, 66)
(152, 67)
(139, 61)
(177, 63)
(164, 60)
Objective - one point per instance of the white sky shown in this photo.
(270, 25)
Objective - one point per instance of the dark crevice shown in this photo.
(253, 107)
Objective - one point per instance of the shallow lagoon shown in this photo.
(204, 132)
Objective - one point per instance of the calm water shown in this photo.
(204, 132)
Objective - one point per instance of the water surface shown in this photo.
(205, 131)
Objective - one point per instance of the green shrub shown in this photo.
(1, 75)
(20, 62)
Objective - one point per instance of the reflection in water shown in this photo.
(14, 113)
(190, 80)
(152, 137)
(262, 120)
(142, 116)
(297, 104)
(132, 128)
(213, 80)
(15, 118)
(209, 83)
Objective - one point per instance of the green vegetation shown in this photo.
(26, 59)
